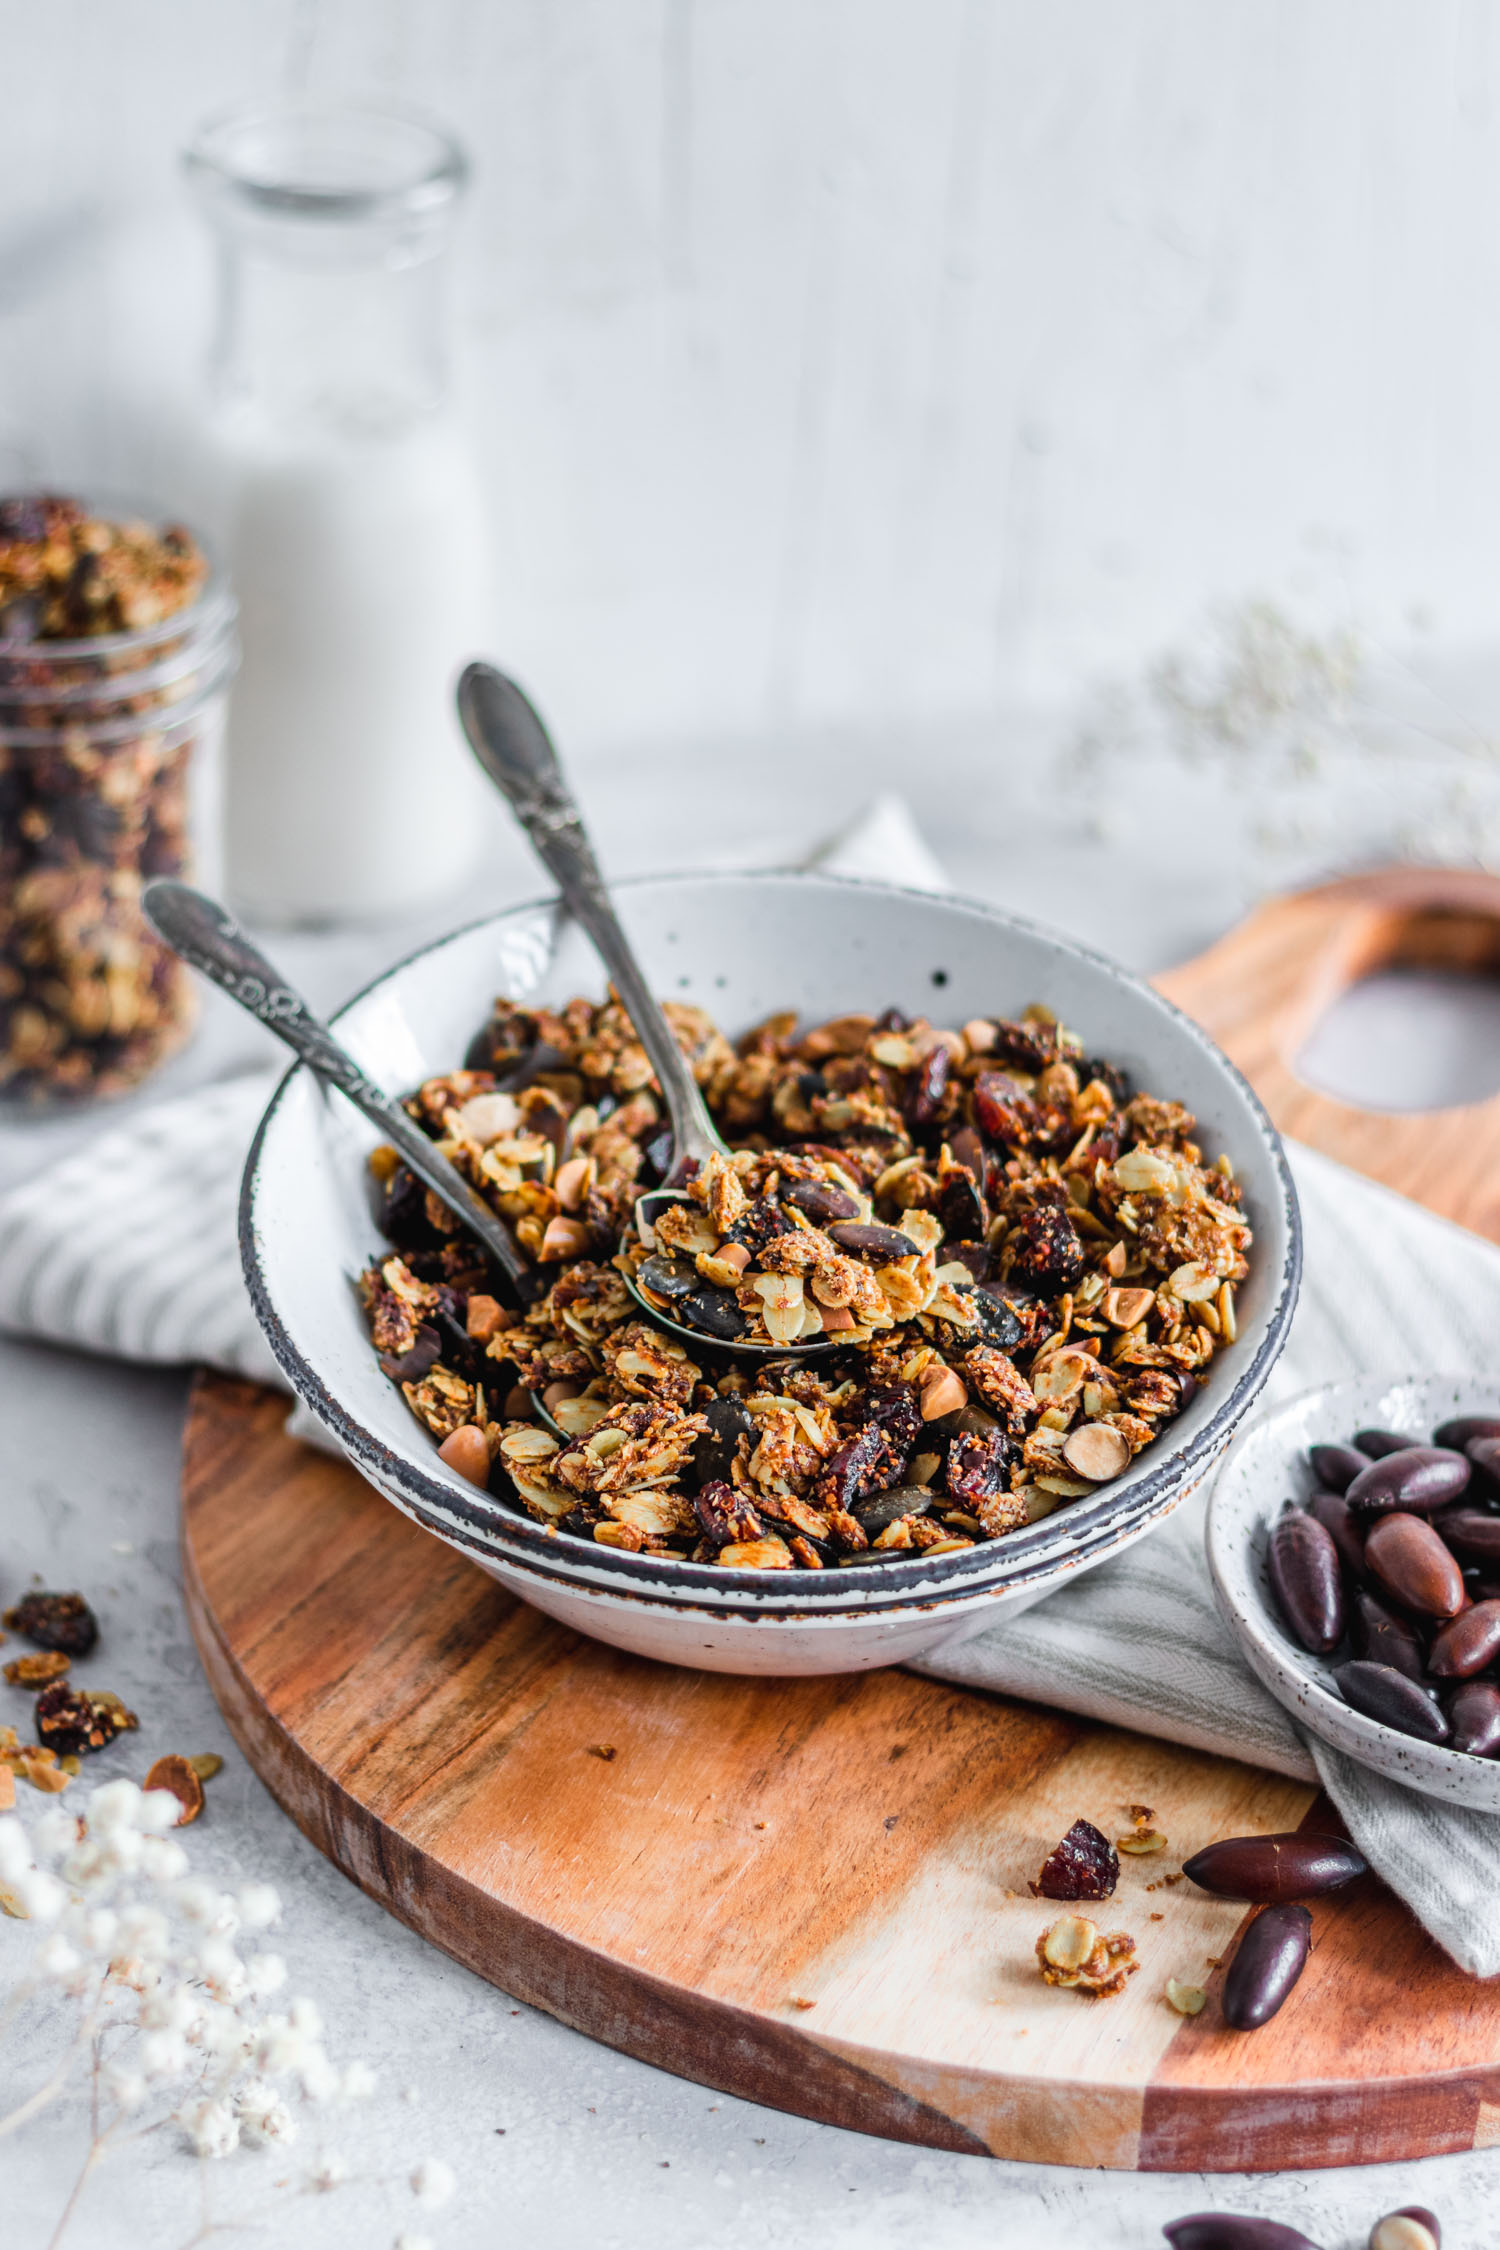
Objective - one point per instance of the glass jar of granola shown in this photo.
(117, 645)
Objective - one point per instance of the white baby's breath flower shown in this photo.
(306, 2016)
(163, 1859)
(320, 2081)
(172, 2007)
(214, 2128)
(15, 1851)
(157, 1811)
(116, 1804)
(125, 2088)
(95, 1928)
(142, 1930)
(259, 1906)
(195, 1900)
(41, 1894)
(163, 2054)
(433, 2183)
(331, 2173)
(266, 1973)
(358, 2082)
(56, 1960)
(221, 1969)
(119, 1854)
(262, 2113)
(55, 1832)
(86, 1866)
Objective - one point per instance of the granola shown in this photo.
(96, 741)
(1024, 1268)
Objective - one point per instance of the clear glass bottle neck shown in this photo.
(313, 347)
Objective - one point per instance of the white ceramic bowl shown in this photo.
(741, 946)
(1265, 1468)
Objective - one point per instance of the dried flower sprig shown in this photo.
(174, 2000)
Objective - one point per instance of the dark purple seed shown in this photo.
(891, 1020)
(1331, 1510)
(1226, 2230)
(669, 1277)
(1267, 1963)
(1472, 1534)
(1302, 1564)
(977, 1256)
(1420, 1478)
(882, 1509)
(656, 1158)
(1382, 1637)
(1467, 1643)
(1376, 1444)
(1337, 1466)
(967, 1149)
(819, 1202)
(1412, 1562)
(410, 1366)
(884, 1243)
(1382, 1693)
(1474, 1715)
(926, 1097)
(1084, 1865)
(961, 1208)
(1464, 1428)
(715, 1311)
(999, 1322)
(1484, 1452)
(715, 1448)
(1267, 1870)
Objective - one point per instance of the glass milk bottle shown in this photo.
(357, 538)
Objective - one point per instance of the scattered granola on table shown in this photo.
(1025, 1269)
(1072, 1953)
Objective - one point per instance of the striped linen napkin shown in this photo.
(129, 1248)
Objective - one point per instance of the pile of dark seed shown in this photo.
(1393, 1568)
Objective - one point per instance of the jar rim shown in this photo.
(214, 608)
(331, 161)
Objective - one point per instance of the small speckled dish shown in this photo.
(1268, 1466)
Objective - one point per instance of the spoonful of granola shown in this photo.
(760, 1253)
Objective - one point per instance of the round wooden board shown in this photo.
(809, 1892)
(814, 1892)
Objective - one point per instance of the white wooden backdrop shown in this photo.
(848, 361)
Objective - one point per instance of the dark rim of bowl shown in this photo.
(1083, 1524)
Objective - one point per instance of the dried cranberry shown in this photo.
(403, 1212)
(1049, 1254)
(925, 1100)
(1002, 1112)
(977, 1464)
(1084, 1865)
(62, 1621)
(410, 1366)
(726, 1516)
(864, 1463)
(895, 1407)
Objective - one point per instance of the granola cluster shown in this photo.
(93, 798)
(1023, 1270)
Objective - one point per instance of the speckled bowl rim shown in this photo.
(1291, 1674)
(1084, 1531)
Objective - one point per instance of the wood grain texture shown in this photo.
(814, 1892)
(1264, 986)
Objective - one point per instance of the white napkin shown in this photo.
(129, 1248)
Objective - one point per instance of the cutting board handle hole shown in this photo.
(1418, 1028)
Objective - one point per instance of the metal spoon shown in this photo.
(515, 750)
(206, 937)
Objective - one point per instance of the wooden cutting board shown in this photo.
(813, 1892)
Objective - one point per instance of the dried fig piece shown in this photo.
(73, 1722)
(60, 1621)
(1083, 1865)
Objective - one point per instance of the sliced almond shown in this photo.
(1098, 1451)
(1070, 1942)
(1187, 1999)
(1195, 1282)
(177, 1777)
